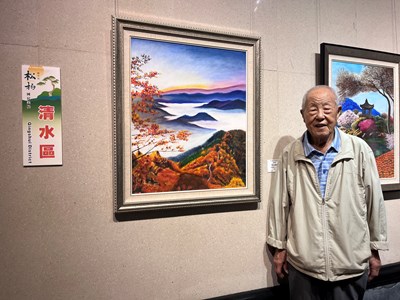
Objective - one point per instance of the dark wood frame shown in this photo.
(391, 190)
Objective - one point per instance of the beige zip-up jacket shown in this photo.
(328, 238)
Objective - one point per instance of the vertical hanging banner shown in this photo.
(41, 116)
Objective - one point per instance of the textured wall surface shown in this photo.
(58, 236)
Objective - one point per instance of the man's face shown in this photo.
(320, 115)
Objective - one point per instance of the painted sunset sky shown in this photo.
(187, 67)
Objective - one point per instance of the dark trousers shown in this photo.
(304, 287)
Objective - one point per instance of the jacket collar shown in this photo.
(346, 150)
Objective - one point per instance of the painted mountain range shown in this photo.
(228, 89)
(225, 105)
(202, 97)
(349, 104)
(214, 156)
(198, 117)
(221, 99)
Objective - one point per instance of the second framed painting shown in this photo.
(367, 85)
(186, 117)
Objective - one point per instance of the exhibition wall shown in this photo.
(58, 234)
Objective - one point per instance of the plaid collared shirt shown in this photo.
(322, 162)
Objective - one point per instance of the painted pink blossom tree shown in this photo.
(372, 79)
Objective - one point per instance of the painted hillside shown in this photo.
(218, 163)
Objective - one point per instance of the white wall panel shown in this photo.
(265, 25)
(19, 22)
(297, 36)
(375, 25)
(338, 22)
(222, 14)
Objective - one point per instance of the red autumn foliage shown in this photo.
(216, 167)
(149, 136)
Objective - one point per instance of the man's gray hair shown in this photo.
(303, 104)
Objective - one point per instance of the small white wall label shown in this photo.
(272, 165)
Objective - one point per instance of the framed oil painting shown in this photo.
(186, 117)
(367, 85)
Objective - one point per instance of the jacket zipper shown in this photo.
(324, 223)
(325, 229)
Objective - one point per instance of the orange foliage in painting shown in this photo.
(149, 135)
(153, 173)
(216, 167)
(385, 164)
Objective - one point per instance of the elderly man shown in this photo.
(327, 216)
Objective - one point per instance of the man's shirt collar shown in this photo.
(308, 149)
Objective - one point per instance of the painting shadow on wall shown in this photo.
(184, 211)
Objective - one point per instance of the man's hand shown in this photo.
(280, 263)
(374, 265)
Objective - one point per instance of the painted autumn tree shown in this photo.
(149, 135)
(371, 79)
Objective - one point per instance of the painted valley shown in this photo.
(190, 142)
(188, 129)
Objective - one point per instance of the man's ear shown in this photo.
(339, 109)
(301, 112)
